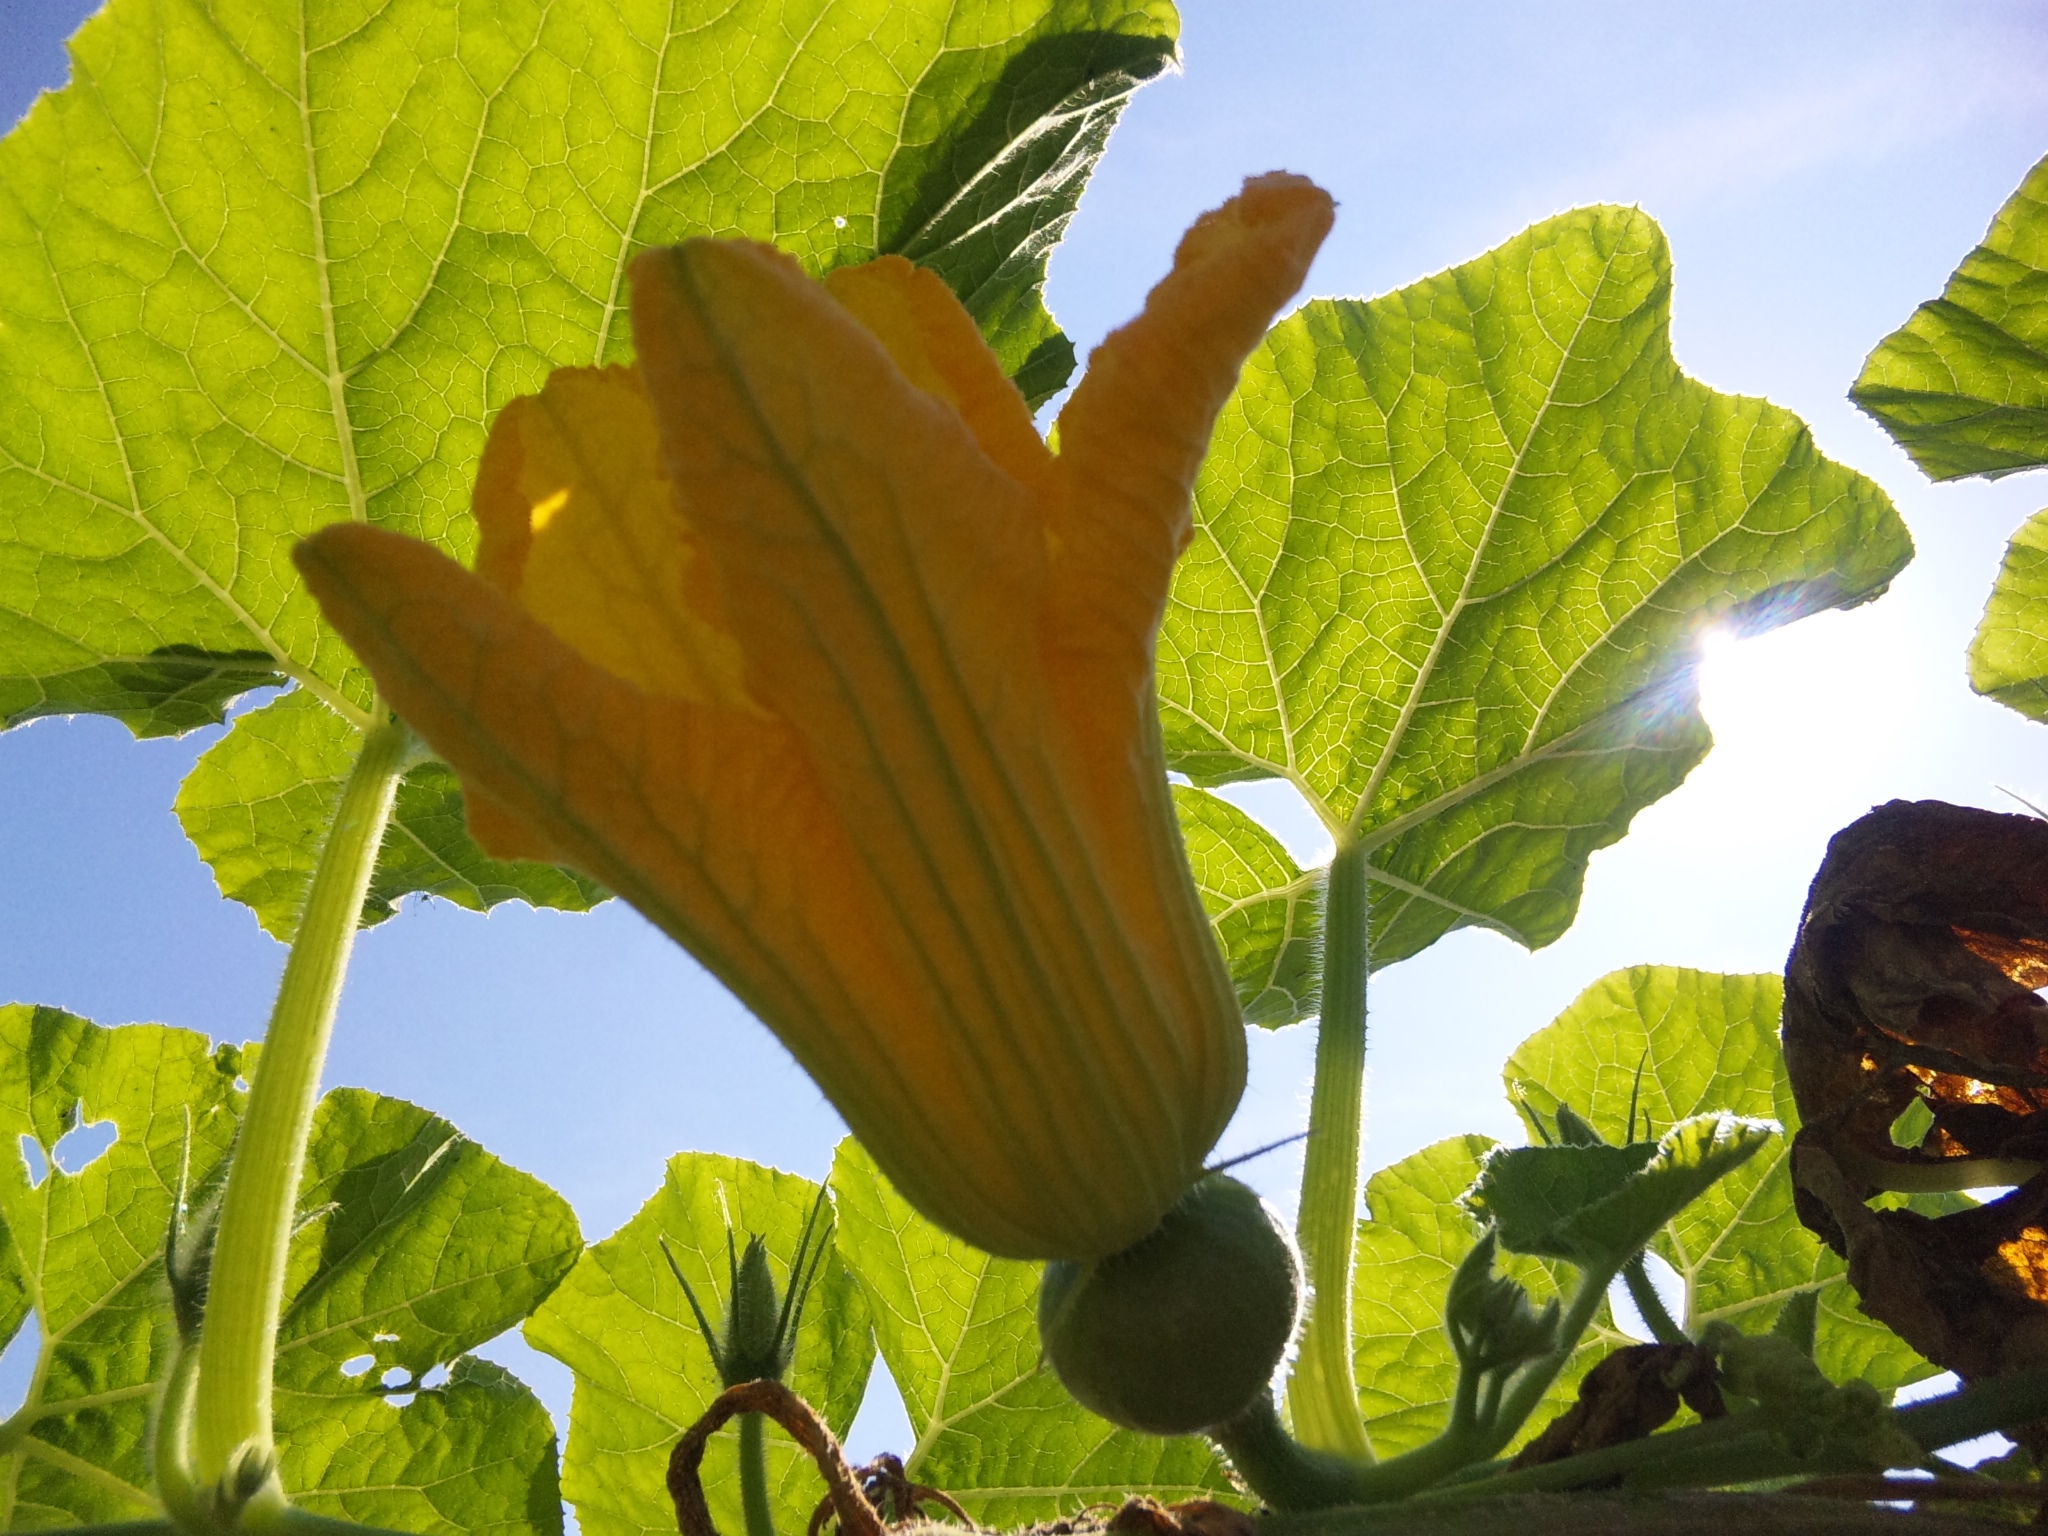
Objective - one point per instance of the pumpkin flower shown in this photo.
(799, 637)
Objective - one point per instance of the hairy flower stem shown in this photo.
(1293, 1476)
(754, 1475)
(1322, 1394)
(238, 1344)
(1657, 1317)
(1535, 1379)
(170, 1453)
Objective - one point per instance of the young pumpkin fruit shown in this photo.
(1184, 1328)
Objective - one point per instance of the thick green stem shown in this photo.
(1322, 1394)
(238, 1343)
(754, 1475)
(1290, 1476)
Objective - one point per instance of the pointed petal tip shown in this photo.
(1279, 211)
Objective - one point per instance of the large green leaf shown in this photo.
(1679, 1043)
(1267, 911)
(424, 1246)
(258, 801)
(421, 1246)
(1408, 1247)
(1455, 549)
(959, 1333)
(1962, 386)
(84, 1247)
(643, 1371)
(262, 269)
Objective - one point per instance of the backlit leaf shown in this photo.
(2009, 656)
(263, 269)
(428, 1246)
(644, 1373)
(959, 1333)
(1455, 550)
(1962, 386)
(83, 1257)
(1703, 1042)
(258, 802)
(1267, 911)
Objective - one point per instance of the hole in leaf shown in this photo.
(84, 1144)
(18, 1364)
(384, 1338)
(437, 1377)
(1282, 810)
(355, 1365)
(397, 1376)
(883, 1423)
(32, 1159)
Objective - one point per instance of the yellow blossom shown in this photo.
(799, 637)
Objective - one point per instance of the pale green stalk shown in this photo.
(1663, 1326)
(238, 1345)
(1322, 1393)
(170, 1454)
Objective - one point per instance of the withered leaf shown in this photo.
(1911, 987)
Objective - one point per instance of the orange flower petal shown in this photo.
(712, 824)
(580, 523)
(939, 348)
(1133, 434)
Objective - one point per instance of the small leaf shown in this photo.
(1690, 1158)
(2009, 656)
(1535, 1195)
(1408, 1250)
(1455, 548)
(428, 1247)
(1673, 1043)
(644, 1374)
(258, 802)
(1266, 910)
(959, 1333)
(1962, 386)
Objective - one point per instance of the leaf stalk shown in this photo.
(238, 1345)
(1322, 1393)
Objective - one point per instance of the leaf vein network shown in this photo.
(1426, 671)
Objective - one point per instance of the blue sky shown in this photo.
(1819, 169)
